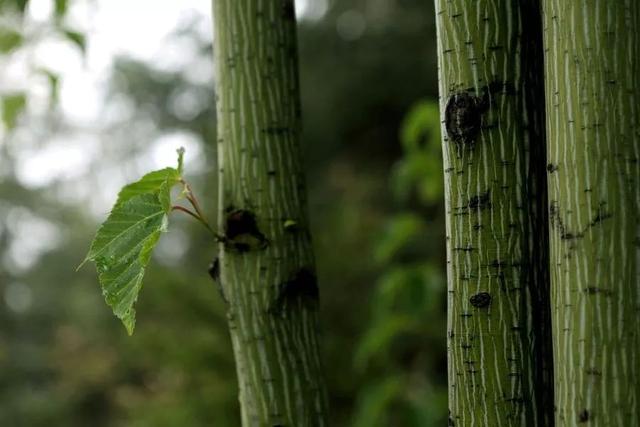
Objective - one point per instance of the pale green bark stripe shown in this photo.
(277, 353)
(592, 77)
(497, 286)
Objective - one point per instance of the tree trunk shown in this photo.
(265, 266)
(491, 98)
(592, 82)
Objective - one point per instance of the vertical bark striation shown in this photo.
(494, 158)
(592, 85)
(266, 265)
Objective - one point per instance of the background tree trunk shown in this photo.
(592, 80)
(265, 266)
(490, 65)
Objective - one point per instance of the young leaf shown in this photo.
(152, 182)
(180, 159)
(122, 248)
(123, 244)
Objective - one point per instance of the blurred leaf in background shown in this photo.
(404, 343)
(12, 106)
(61, 7)
(77, 38)
(9, 40)
(421, 167)
(18, 6)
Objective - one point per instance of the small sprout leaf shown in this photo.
(180, 159)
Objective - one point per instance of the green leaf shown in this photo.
(12, 106)
(122, 248)
(153, 182)
(123, 244)
(78, 39)
(9, 40)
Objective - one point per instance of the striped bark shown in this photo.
(491, 93)
(265, 265)
(592, 86)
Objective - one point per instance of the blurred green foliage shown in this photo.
(13, 105)
(421, 166)
(402, 348)
(9, 40)
(373, 163)
(17, 6)
(15, 38)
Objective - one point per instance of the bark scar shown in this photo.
(463, 118)
(214, 272)
(302, 286)
(241, 232)
(584, 416)
(480, 300)
(477, 202)
(558, 224)
(464, 112)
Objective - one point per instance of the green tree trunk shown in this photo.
(491, 98)
(592, 75)
(266, 266)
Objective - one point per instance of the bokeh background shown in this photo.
(94, 93)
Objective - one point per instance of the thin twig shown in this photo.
(187, 211)
(199, 215)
